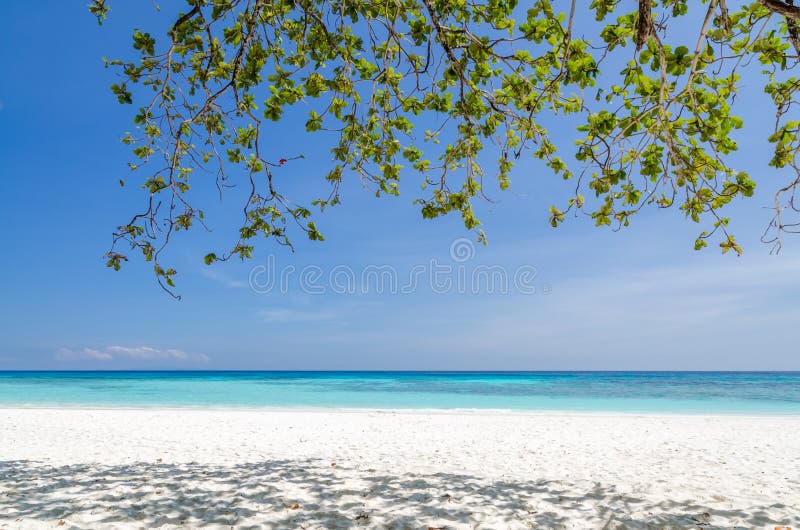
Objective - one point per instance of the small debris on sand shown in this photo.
(702, 519)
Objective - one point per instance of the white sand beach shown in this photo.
(162, 468)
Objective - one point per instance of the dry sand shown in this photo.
(78, 468)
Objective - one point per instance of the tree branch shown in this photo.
(785, 9)
(645, 24)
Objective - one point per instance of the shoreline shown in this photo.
(400, 410)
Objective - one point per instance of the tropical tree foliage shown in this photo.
(448, 93)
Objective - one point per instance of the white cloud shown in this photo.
(293, 315)
(85, 354)
(712, 315)
(221, 278)
(704, 314)
(140, 353)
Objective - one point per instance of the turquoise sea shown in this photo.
(660, 392)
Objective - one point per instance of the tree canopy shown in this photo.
(448, 93)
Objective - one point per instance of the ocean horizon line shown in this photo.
(390, 371)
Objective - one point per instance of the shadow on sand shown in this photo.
(314, 494)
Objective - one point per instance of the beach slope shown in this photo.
(79, 468)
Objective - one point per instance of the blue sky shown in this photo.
(637, 299)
